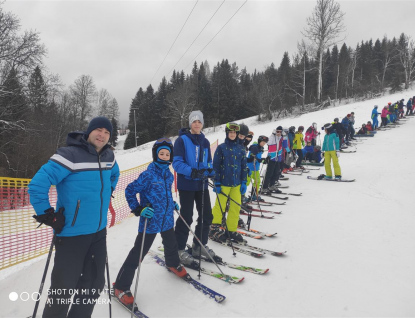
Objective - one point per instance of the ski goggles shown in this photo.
(232, 126)
(163, 140)
(279, 131)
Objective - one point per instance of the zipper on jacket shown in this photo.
(76, 213)
(167, 200)
(102, 189)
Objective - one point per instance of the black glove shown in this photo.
(266, 160)
(52, 219)
(199, 174)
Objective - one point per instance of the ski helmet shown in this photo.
(336, 120)
(291, 129)
(232, 127)
(317, 148)
(301, 128)
(262, 138)
(243, 130)
(250, 135)
(162, 143)
(314, 125)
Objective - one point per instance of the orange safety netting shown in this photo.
(20, 237)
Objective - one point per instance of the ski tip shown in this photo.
(219, 299)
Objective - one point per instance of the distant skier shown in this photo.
(331, 149)
(375, 115)
(311, 134)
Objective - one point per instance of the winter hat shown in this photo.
(376, 106)
(327, 126)
(336, 119)
(162, 143)
(196, 115)
(279, 128)
(98, 122)
(243, 129)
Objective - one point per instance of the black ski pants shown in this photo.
(127, 271)
(79, 270)
(272, 174)
(300, 157)
(187, 201)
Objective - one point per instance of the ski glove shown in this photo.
(266, 160)
(243, 188)
(218, 188)
(199, 174)
(52, 219)
(176, 206)
(145, 211)
(338, 154)
(211, 173)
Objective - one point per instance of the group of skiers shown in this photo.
(86, 173)
(392, 112)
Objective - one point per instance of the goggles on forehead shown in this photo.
(232, 126)
(164, 139)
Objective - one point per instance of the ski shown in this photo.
(239, 248)
(262, 250)
(266, 203)
(262, 203)
(258, 232)
(248, 269)
(257, 215)
(136, 312)
(312, 164)
(295, 173)
(199, 286)
(313, 168)
(225, 278)
(336, 180)
(254, 236)
(292, 193)
(275, 197)
(265, 211)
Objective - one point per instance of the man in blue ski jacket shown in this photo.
(85, 174)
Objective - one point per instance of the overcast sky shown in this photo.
(121, 44)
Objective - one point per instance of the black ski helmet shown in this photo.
(291, 129)
(301, 128)
(243, 130)
(162, 143)
(262, 138)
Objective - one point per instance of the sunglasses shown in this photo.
(232, 126)
(279, 131)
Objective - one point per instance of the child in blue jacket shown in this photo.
(229, 163)
(156, 207)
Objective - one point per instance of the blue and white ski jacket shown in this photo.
(191, 151)
(84, 182)
(154, 186)
(229, 163)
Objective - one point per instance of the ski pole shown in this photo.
(212, 259)
(257, 194)
(44, 276)
(201, 222)
(242, 208)
(108, 280)
(139, 266)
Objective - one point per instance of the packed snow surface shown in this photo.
(350, 246)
